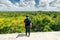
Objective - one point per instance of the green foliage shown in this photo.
(13, 22)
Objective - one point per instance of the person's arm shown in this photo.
(31, 25)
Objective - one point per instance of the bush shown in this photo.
(13, 22)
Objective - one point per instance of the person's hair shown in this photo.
(27, 16)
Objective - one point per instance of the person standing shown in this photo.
(27, 25)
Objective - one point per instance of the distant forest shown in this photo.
(13, 22)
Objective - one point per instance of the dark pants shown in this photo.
(27, 30)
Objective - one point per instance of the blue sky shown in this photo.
(14, 1)
(29, 5)
(37, 2)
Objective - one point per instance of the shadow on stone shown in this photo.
(20, 35)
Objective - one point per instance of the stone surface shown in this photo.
(33, 36)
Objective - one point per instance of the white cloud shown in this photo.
(6, 5)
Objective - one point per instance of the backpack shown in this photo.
(27, 22)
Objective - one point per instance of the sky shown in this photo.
(29, 5)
